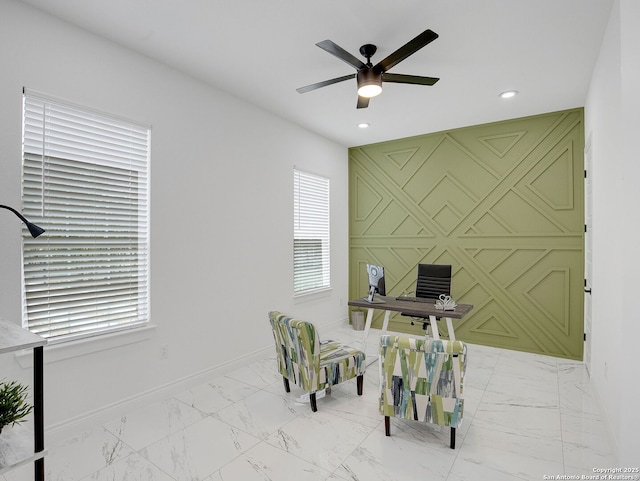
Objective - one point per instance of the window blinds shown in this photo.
(86, 181)
(311, 266)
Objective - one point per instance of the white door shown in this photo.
(588, 236)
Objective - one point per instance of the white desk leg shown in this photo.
(434, 328)
(452, 335)
(385, 323)
(367, 326)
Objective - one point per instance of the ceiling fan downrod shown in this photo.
(368, 51)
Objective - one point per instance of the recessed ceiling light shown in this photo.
(507, 94)
(363, 125)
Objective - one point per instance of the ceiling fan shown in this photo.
(369, 76)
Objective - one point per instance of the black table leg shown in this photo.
(38, 409)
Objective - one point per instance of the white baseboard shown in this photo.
(336, 324)
(71, 427)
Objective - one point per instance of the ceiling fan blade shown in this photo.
(408, 79)
(341, 53)
(318, 85)
(409, 48)
(363, 102)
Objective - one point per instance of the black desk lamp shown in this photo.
(34, 229)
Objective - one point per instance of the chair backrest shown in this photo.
(433, 280)
(298, 350)
(422, 379)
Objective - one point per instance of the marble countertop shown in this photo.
(14, 338)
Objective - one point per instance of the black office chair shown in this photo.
(433, 280)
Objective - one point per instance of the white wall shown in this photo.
(612, 119)
(221, 214)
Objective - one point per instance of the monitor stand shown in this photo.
(371, 297)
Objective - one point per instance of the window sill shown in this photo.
(312, 295)
(89, 345)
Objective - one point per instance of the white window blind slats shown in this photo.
(74, 188)
(82, 135)
(77, 275)
(67, 298)
(311, 253)
(68, 186)
(85, 180)
(84, 308)
(85, 313)
(74, 172)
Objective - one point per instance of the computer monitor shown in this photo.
(376, 281)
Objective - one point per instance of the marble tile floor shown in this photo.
(526, 416)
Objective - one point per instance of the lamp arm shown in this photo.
(22, 218)
(34, 229)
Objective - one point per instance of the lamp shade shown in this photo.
(369, 83)
(33, 229)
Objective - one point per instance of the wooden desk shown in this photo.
(390, 304)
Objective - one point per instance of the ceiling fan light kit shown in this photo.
(369, 77)
(369, 83)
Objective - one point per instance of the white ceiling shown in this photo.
(262, 50)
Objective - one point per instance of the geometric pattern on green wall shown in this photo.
(401, 157)
(503, 204)
(559, 167)
(549, 292)
(501, 144)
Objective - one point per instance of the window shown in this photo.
(311, 232)
(84, 180)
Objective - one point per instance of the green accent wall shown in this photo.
(503, 203)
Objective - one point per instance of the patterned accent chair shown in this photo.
(311, 364)
(422, 380)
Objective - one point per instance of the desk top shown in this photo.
(13, 338)
(411, 308)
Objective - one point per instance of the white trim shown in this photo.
(51, 98)
(71, 427)
(88, 345)
(85, 176)
(312, 294)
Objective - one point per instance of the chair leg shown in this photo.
(312, 399)
(387, 426)
(360, 383)
(286, 384)
(452, 445)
